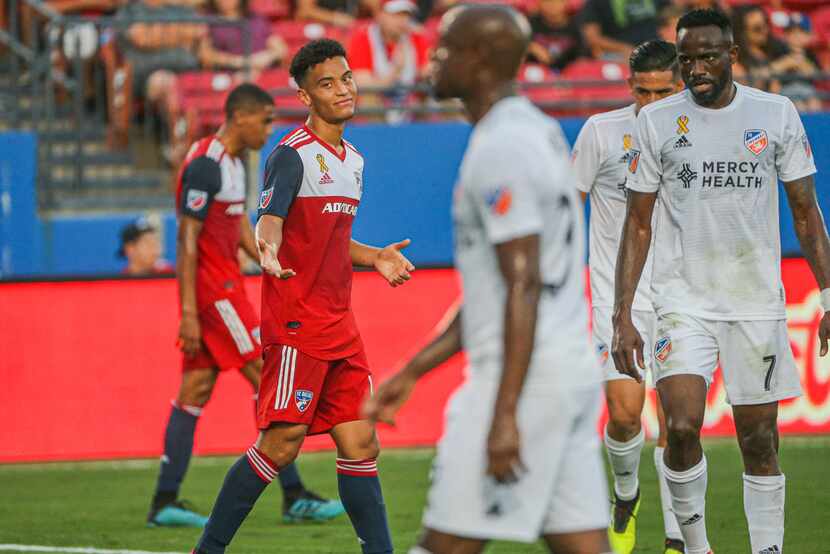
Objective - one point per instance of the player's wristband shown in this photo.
(825, 300)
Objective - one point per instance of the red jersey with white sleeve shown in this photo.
(317, 192)
(211, 188)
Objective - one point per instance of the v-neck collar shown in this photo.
(327, 146)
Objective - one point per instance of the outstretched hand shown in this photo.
(269, 263)
(393, 265)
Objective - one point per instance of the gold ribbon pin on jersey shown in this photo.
(322, 161)
(682, 125)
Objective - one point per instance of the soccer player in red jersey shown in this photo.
(315, 375)
(219, 329)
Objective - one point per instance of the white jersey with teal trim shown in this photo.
(600, 160)
(515, 181)
(717, 246)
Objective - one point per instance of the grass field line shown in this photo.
(72, 549)
(420, 453)
(200, 461)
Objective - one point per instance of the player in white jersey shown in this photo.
(520, 457)
(600, 158)
(713, 155)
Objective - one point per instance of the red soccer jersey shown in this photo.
(211, 188)
(317, 192)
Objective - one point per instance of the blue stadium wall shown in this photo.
(410, 171)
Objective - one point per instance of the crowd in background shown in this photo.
(389, 41)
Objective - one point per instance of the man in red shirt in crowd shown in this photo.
(388, 53)
(219, 329)
(316, 374)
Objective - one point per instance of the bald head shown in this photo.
(485, 43)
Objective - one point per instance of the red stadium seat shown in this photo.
(821, 25)
(598, 84)
(297, 33)
(277, 82)
(271, 9)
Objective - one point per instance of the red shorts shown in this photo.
(297, 388)
(230, 335)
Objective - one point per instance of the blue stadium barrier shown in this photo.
(409, 175)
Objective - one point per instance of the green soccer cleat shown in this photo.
(674, 546)
(311, 507)
(176, 514)
(623, 529)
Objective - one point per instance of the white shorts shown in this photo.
(755, 356)
(564, 487)
(602, 331)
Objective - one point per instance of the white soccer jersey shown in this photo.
(600, 160)
(717, 246)
(515, 180)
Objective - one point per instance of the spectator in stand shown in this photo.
(800, 65)
(556, 37)
(340, 13)
(389, 53)
(141, 247)
(757, 48)
(157, 52)
(611, 28)
(667, 22)
(247, 42)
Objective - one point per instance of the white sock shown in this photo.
(419, 550)
(669, 521)
(625, 463)
(764, 509)
(688, 498)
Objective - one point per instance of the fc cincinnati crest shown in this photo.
(662, 348)
(602, 352)
(265, 198)
(303, 398)
(196, 199)
(633, 161)
(756, 140)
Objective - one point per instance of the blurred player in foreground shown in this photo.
(713, 155)
(520, 456)
(316, 374)
(219, 329)
(601, 155)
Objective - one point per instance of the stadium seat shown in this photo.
(279, 83)
(297, 33)
(271, 9)
(597, 85)
(821, 25)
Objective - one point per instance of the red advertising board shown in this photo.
(88, 368)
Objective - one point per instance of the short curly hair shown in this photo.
(313, 53)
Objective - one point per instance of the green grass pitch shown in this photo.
(103, 504)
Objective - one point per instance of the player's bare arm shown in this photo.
(634, 246)
(247, 240)
(268, 240)
(388, 261)
(394, 392)
(190, 334)
(519, 265)
(812, 235)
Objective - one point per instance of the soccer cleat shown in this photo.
(674, 546)
(176, 514)
(623, 529)
(311, 507)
